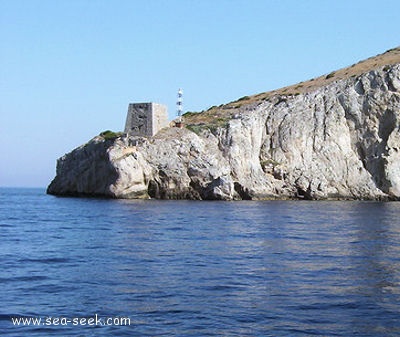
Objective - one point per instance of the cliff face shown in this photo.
(340, 140)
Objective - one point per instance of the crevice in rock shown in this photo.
(361, 154)
(153, 189)
(389, 82)
(303, 194)
(387, 124)
(359, 88)
(196, 189)
(372, 154)
(242, 191)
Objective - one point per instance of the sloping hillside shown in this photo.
(333, 137)
(218, 115)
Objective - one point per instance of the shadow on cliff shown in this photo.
(85, 172)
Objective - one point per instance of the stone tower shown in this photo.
(145, 119)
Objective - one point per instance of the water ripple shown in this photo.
(201, 269)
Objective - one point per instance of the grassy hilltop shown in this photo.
(218, 116)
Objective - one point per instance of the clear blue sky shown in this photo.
(69, 68)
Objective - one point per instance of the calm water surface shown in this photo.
(185, 268)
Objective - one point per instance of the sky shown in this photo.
(69, 68)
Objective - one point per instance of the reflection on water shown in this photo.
(205, 268)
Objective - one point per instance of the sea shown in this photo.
(99, 267)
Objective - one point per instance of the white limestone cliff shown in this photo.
(337, 141)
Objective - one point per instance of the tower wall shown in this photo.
(145, 119)
(159, 117)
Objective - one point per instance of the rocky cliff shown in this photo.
(334, 137)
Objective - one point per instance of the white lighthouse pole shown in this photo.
(179, 105)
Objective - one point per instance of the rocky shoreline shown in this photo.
(338, 141)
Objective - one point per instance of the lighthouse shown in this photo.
(179, 108)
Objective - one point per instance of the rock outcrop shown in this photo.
(338, 140)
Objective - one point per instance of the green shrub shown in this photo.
(196, 128)
(189, 113)
(108, 134)
(213, 126)
(332, 74)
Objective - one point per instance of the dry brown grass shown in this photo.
(217, 115)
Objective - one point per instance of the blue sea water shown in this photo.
(189, 268)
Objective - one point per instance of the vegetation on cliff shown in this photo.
(336, 136)
(216, 115)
